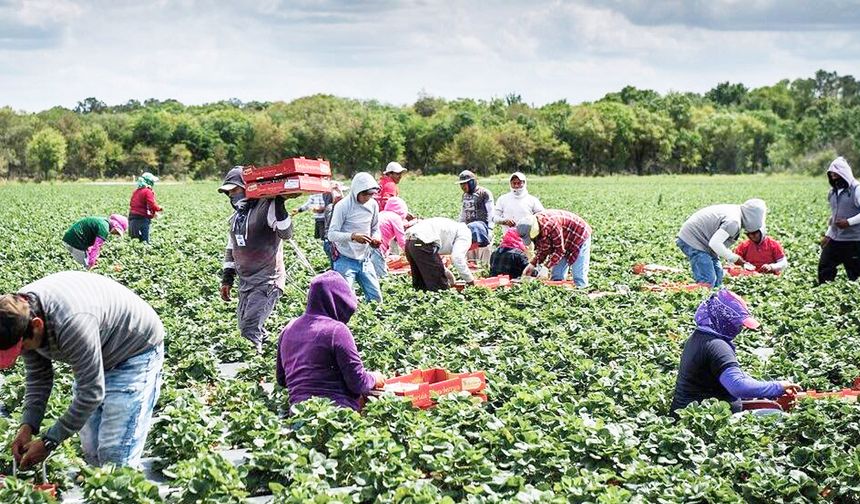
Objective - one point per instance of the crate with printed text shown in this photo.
(289, 185)
(287, 168)
(421, 385)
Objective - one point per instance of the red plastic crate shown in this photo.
(428, 382)
(286, 168)
(290, 185)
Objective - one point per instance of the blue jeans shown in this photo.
(116, 431)
(379, 264)
(363, 271)
(579, 267)
(706, 268)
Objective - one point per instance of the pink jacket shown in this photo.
(391, 224)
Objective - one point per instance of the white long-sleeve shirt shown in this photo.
(510, 206)
(451, 236)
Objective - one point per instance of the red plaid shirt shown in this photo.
(562, 233)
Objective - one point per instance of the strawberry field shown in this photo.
(579, 386)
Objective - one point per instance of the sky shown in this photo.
(58, 52)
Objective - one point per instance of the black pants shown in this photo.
(835, 253)
(138, 227)
(428, 272)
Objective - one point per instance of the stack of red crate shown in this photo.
(290, 176)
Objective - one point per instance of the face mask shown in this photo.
(839, 183)
(519, 192)
(235, 199)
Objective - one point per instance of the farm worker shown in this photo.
(254, 253)
(317, 356)
(707, 235)
(510, 258)
(143, 207)
(427, 240)
(477, 201)
(336, 195)
(388, 183)
(763, 252)
(516, 204)
(316, 203)
(112, 342)
(709, 364)
(841, 243)
(87, 236)
(562, 239)
(391, 227)
(354, 232)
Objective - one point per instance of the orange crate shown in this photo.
(420, 385)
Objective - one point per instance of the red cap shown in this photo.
(10, 355)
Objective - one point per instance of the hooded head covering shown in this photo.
(523, 191)
(146, 180)
(753, 215)
(232, 179)
(398, 206)
(468, 178)
(329, 295)
(528, 229)
(480, 233)
(512, 240)
(841, 167)
(118, 222)
(724, 314)
(362, 181)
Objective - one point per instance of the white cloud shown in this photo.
(545, 50)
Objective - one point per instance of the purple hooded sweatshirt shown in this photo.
(317, 355)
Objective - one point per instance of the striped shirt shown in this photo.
(93, 324)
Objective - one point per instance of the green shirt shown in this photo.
(83, 233)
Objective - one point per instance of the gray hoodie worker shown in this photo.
(715, 228)
(254, 253)
(841, 243)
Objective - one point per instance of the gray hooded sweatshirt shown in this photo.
(349, 216)
(844, 203)
(699, 230)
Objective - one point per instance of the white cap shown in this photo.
(394, 167)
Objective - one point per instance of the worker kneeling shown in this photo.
(709, 364)
(427, 240)
(317, 356)
(113, 342)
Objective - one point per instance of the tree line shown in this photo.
(797, 125)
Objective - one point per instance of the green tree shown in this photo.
(475, 149)
(46, 153)
(179, 161)
(727, 94)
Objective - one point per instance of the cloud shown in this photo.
(34, 24)
(740, 15)
(207, 50)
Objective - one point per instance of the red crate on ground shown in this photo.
(287, 168)
(290, 185)
(421, 385)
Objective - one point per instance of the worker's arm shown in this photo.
(717, 244)
(462, 242)
(499, 211)
(79, 341)
(374, 226)
(334, 229)
(228, 268)
(40, 382)
(279, 219)
(743, 386)
(94, 251)
(280, 374)
(150, 201)
(538, 206)
(357, 379)
(488, 205)
(779, 265)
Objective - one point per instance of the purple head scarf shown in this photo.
(724, 314)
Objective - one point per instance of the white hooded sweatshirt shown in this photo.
(841, 167)
(516, 204)
(349, 216)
